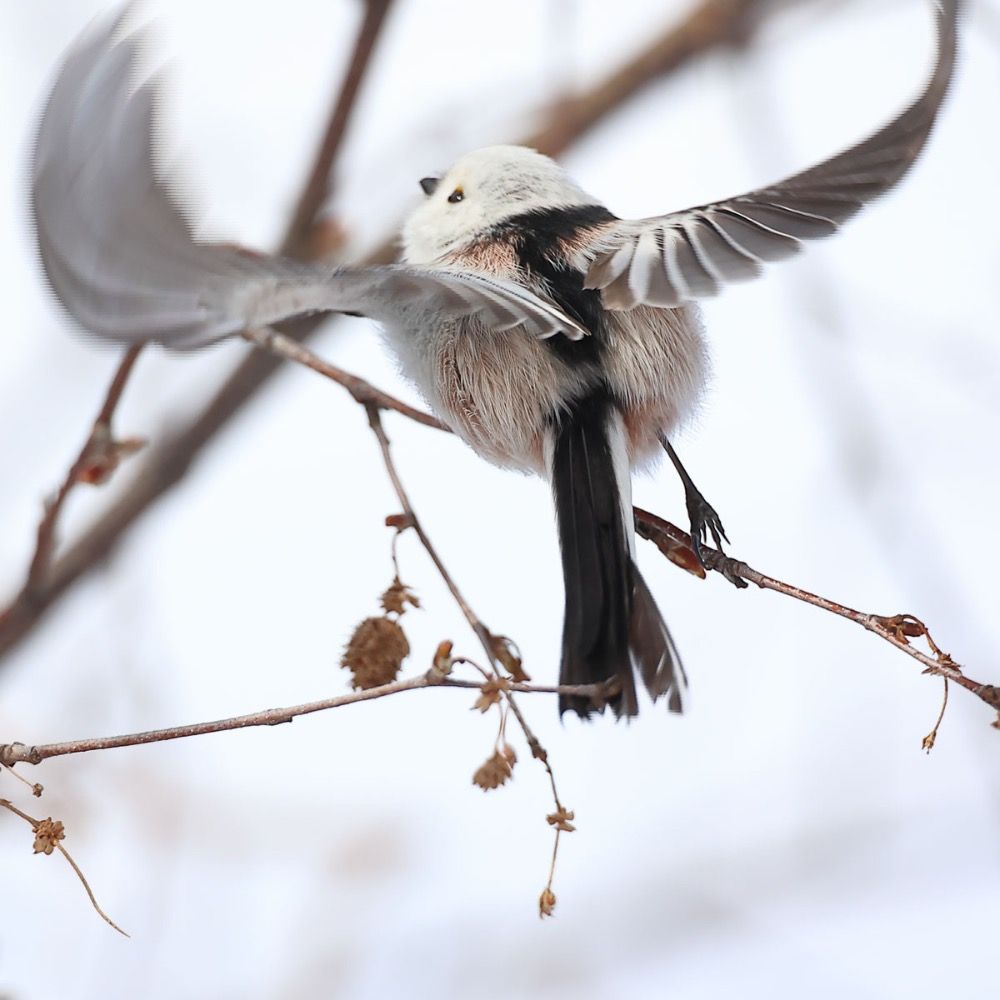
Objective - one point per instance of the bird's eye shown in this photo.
(456, 196)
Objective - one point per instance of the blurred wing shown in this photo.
(671, 259)
(402, 295)
(120, 254)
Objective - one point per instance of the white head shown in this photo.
(483, 188)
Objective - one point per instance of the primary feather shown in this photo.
(671, 259)
(122, 258)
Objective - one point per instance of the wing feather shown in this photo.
(728, 241)
(120, 255)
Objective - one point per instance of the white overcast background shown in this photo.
(787, 837)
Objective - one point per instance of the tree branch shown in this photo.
(894, 629)
(20, 753)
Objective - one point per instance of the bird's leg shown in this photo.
(701, 513)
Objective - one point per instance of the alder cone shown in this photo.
(375, 652)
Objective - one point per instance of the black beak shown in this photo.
(429, 184)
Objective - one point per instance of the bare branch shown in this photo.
(20, 753)
(894, 629)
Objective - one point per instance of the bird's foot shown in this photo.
(704, 522)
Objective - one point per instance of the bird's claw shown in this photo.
(704, 522)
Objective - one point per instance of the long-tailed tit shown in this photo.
(550, 335)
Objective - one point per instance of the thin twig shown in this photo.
(894, 629)
(7, 804)
(90, 892)
(482, 632)
(36, 789)
(20, 753)
(364, 392)
(35, 824)
(931, 738)
(485, 636)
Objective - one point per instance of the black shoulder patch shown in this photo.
(538, 238)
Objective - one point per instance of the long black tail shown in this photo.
(612, 627)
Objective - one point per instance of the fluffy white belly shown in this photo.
(499, 390)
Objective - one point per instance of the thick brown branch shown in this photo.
(711, 24)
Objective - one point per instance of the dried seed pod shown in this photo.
(560, 819)
(442, 662)
(509, 657)
(397, 597)
(375, 652)
(47, 834)
(494, 772)
(490, 692)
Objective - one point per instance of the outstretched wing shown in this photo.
(671, 259)
(120, 255)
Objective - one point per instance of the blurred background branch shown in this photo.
(710, 25)
(299, 240)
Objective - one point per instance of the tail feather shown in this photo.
(652, 648)
(612, 627)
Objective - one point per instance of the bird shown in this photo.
(552, 336)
